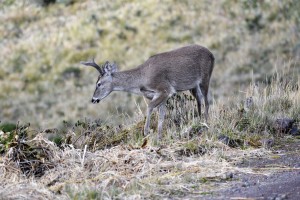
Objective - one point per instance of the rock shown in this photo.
(223, 138)
(227, 175)
(230, 142)
(281, 197)
(283, 125)
(246, 184)
(294, 131)
(267, 143)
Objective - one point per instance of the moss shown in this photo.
(8, 127)
(58, 140)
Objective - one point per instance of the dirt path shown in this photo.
(277, 178)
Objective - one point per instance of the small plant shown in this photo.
(86, 194)
(44, 2)
(71, 72)
(7, 127)
(9, 135)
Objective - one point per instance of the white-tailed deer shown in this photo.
(162, 75)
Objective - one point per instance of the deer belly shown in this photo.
(182, 85)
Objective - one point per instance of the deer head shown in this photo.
(104, 85)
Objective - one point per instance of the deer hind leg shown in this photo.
(198, 96)
(158, 100)
(204, 91)
(161, 118)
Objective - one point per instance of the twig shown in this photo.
(275, 168)
(84, 152)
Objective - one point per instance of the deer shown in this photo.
(162, 75)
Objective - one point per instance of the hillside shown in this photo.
(43, 83)
(56, 144)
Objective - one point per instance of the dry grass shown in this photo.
(85, 153)
(125, 172)
(42, 47)
(189, 162)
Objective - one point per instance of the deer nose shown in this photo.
(95, 100)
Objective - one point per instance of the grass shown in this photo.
(120, 163)
(71, 150)
(42, 47)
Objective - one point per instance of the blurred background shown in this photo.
(43, 41)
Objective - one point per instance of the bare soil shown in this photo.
(277, 177)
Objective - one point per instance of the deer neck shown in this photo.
(128, 81)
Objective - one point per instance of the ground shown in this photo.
(153, 172)
(277, 177)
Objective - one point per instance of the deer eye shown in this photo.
(98, 84)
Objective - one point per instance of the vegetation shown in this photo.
(63, 147)
(43, 83)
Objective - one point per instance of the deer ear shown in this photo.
(110, 68)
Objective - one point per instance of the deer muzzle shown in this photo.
(95, 100)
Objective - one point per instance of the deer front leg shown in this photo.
(147, 124)
(158, 99)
